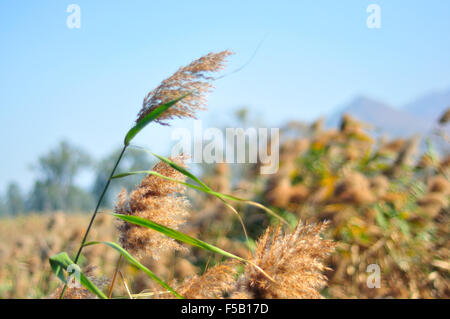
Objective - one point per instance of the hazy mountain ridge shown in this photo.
(430, 106)
(417, 117)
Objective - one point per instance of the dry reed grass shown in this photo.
(385, 206)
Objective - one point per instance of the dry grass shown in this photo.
(27, 242)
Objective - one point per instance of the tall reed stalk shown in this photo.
(186, 87)
(91, 222)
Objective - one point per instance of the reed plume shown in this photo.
(214, 283)
(194, 78)
(354, 188)
(158, 200)
(294, 261)
(439, 184)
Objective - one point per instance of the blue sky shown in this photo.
(86, 85)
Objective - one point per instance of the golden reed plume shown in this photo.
(294, 261)
(194, 79)
(158, 200)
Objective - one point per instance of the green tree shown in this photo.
(3, 209)
(14, 200)
(55, 188)
(40, 198)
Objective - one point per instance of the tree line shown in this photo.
(55, 187)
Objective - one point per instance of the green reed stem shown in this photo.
(95, 213)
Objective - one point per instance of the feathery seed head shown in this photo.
(379, 185)
(214, 283)
(354, 188)
(439, 184)
(194, 78)
(158, 200)
(295, 261)
(432, 203)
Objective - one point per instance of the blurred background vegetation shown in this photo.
(387, 200)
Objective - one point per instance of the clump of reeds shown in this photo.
(386, 207)
(180, 95)
(284, 265)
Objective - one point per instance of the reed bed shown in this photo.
(340, 202)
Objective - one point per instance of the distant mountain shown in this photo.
(430, 106)
(384, 118)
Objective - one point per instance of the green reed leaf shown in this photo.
(151, 116)
(205, 189)
(172, 233)
(181, 169)
(202, 189)
(163, 177)
(62, 261)
(252, 203)
(136, 263)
